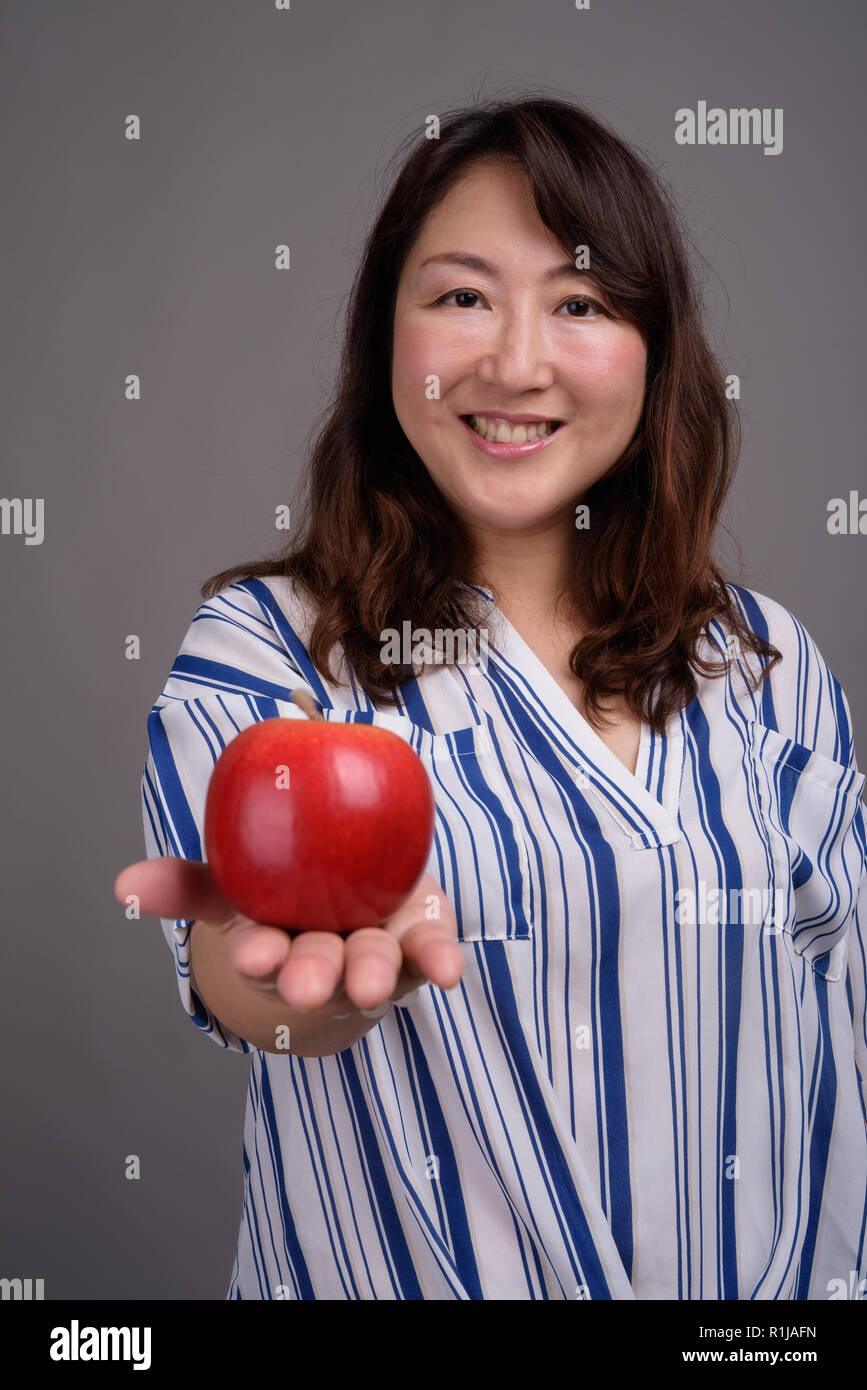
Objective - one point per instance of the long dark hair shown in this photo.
(381, 544)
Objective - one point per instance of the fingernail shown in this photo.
(377, 1012)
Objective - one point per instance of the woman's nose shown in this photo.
(517, 357)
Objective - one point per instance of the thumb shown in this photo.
(174, 887)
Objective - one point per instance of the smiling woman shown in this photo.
(499, 346)
(469, 299)
(557, 1072)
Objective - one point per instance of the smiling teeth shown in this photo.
(498, 432)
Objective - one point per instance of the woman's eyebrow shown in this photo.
(471, 262)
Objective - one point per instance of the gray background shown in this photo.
(156, 257)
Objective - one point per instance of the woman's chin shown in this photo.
(517, 518)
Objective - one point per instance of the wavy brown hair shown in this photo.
(380, 544)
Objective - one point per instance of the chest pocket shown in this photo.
(479, 855)
(808, 804)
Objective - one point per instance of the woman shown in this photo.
(624, 1060)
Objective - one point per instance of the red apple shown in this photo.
(314, 825)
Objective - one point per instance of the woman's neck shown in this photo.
(527, 575)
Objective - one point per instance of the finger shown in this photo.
(429, 944)
(172, 887)
(312, 973)
(373, 962)
(431, 949)
(257, 951)
(426, 903)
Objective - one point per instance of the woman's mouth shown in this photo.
(496, 436)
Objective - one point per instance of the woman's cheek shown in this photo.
(613, 379)
(423, 349)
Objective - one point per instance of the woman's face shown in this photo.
(509, 337)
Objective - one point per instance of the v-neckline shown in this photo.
(668, 751)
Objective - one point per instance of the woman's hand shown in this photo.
(365, 969)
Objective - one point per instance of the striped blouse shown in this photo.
(650, 1081)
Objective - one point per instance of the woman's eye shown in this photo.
(474, 295)
(582, 299)
(471, 294)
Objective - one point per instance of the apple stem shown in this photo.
(305, 702)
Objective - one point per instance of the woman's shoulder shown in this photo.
(804, 699)
(250, 636)
(767, 617)
(772, 621)
(276, 605)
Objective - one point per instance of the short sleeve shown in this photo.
(239, 662)
(812, 707)
(801, 697)
(802, 724)
(856, 975)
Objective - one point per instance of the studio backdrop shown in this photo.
(187, 188)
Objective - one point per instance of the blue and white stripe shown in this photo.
(616, 1101)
